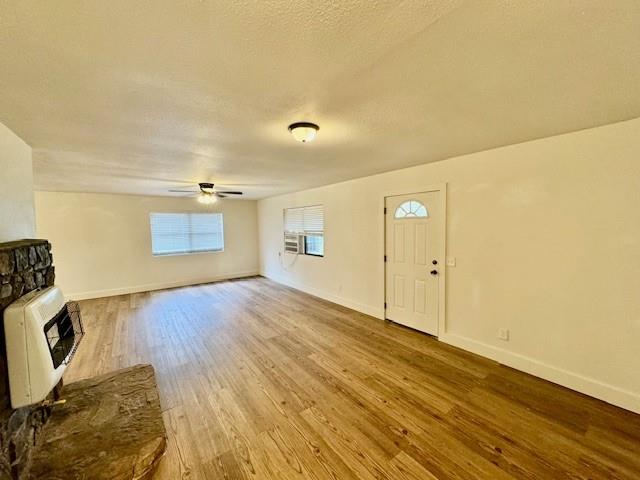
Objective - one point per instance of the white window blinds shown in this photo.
(294, 220)
(314, 220)
(304, 220)
(174, 233)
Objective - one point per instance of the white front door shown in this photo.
(413, 245)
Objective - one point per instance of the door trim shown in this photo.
(442, 277)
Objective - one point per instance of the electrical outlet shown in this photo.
(503, 334)
(451, 261)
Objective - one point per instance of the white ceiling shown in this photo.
(139, 97)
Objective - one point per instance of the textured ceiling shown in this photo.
(143, 96)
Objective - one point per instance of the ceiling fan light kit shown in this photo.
(304, 131)
(207, 198)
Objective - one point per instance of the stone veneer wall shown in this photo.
(25, 265)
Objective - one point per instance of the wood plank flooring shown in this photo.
(260, 381)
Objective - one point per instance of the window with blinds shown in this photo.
(304, 230)
(179, 233)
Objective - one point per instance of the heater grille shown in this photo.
(64, 332)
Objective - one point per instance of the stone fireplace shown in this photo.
(25, 265)
(126, 437)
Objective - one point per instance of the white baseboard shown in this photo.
(345, 302)
(156, 286)
(589, 386)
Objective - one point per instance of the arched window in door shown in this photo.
(411, 209)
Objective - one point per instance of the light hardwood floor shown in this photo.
(260, 381)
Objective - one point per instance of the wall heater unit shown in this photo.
(42, 333)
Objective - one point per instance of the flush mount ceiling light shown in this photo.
(304, 131)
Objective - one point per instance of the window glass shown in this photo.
(314, 245)
(411, 209)
(176, 233)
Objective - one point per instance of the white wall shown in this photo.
(101, 243)
(547, 240)
(16, 188)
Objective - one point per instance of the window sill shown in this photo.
(303, 254)
(182, 254)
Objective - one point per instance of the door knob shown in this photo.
(434, 272)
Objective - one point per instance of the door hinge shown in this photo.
(385, 258)
(385, 305)
(385, 210)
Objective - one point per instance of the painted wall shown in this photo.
(102, 243)
(18, 428)
(17, 219)
(546, 235)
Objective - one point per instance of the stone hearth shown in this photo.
(110, 427)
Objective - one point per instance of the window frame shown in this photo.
(303, 235)
(190, 252)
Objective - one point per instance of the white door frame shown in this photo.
(442, 259)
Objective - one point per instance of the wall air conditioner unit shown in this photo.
(293, 243)
(42, 333)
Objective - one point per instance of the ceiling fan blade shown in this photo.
(183, 191)
(231, 193)
(219, 195)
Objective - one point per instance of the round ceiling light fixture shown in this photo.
(304, 131)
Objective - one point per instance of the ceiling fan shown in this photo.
(207, 193)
